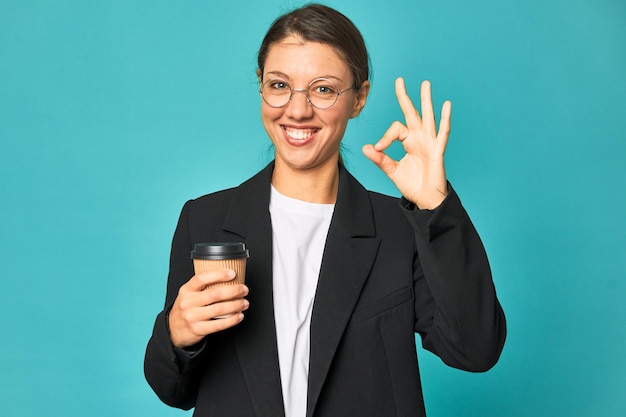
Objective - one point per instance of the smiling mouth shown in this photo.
(299, 134)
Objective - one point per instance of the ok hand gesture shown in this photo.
(420, 175)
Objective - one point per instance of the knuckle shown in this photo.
(213, 293)
(183, 304)
(195, 329)
(218, 309)
(186, 316)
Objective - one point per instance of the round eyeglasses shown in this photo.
(321, 93)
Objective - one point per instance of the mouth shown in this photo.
(299, 134)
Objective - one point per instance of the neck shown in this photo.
(316, 185)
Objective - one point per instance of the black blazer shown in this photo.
(388, 271)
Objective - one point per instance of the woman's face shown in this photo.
(306, 137)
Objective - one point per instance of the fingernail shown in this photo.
(231, 274)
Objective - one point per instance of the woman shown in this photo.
(339, 278)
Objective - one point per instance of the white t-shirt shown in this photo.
(299, 231)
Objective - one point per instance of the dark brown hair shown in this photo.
(319, 23)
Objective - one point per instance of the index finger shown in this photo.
(199, 281)
(411, 115)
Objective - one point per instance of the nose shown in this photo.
(299, 106)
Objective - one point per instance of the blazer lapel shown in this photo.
(255, 341)
(351, 248)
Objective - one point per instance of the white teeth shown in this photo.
(299, 134)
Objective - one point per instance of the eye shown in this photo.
(323, 88)
(277, 85)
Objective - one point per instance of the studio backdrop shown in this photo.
(113, 114)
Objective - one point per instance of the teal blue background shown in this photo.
(113, 114)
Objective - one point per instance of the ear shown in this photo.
(360, 99)
(259, 75)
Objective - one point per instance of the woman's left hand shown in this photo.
(420, 175)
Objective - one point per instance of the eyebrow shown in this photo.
(283, 75)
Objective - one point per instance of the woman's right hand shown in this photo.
(196, 307)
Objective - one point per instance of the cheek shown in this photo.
(338, 118)
(269, 114)
(269, 117)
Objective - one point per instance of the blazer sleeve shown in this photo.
(457, 311)
(172, 372)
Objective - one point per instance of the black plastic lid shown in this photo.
(219, 250)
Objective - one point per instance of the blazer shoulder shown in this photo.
(236, 209)
(213, 198)
(208, 204)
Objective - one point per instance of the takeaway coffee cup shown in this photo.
(221, 255)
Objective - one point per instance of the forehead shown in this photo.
(297, 58)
